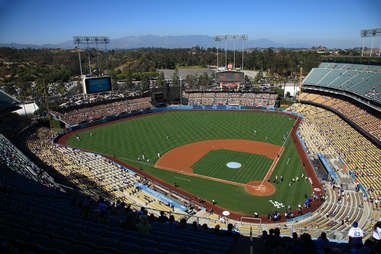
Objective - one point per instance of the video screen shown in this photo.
(229, 76)
(97, 85)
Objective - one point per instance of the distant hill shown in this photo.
(156, 41)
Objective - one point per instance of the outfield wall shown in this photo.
(191, 197)
(155, 110)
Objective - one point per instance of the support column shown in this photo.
(362, 45)
(371, 46)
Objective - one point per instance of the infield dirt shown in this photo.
(182, 158)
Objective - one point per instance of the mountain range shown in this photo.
(180, 41)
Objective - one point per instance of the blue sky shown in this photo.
(332, 23)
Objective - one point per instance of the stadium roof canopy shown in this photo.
(27, 109)
(7, 103)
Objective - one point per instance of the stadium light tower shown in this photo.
(88, 40)
(217, 39)
(234, 38)
(244, 38)
(77, 42)
(373, 33)
(226, 37)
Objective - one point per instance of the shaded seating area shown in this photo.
(363, 80)
(14, 159)
(90, 112)
(48, 222)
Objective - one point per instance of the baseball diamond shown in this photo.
(184, 148)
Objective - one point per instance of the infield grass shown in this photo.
(253, 166)
(160, 133)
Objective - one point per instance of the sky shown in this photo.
(331, 23)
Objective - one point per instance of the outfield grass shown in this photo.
(148, 135)
(128, 140)
(253, 166)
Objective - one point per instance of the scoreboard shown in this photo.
(230, 76)
(96, 85)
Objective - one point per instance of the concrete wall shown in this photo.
(292, 88)
(184, 72)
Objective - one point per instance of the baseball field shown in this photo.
(245, 161)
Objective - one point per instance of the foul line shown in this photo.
(275, 162)
(272, 167)
(184, 179)
(140, 162)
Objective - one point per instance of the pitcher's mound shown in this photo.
(258, 189)
(233, 164)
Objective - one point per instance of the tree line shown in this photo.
(20, 67)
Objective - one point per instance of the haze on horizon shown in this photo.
(335, 24)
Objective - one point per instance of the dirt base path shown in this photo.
(264, 188)
(182, 158)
